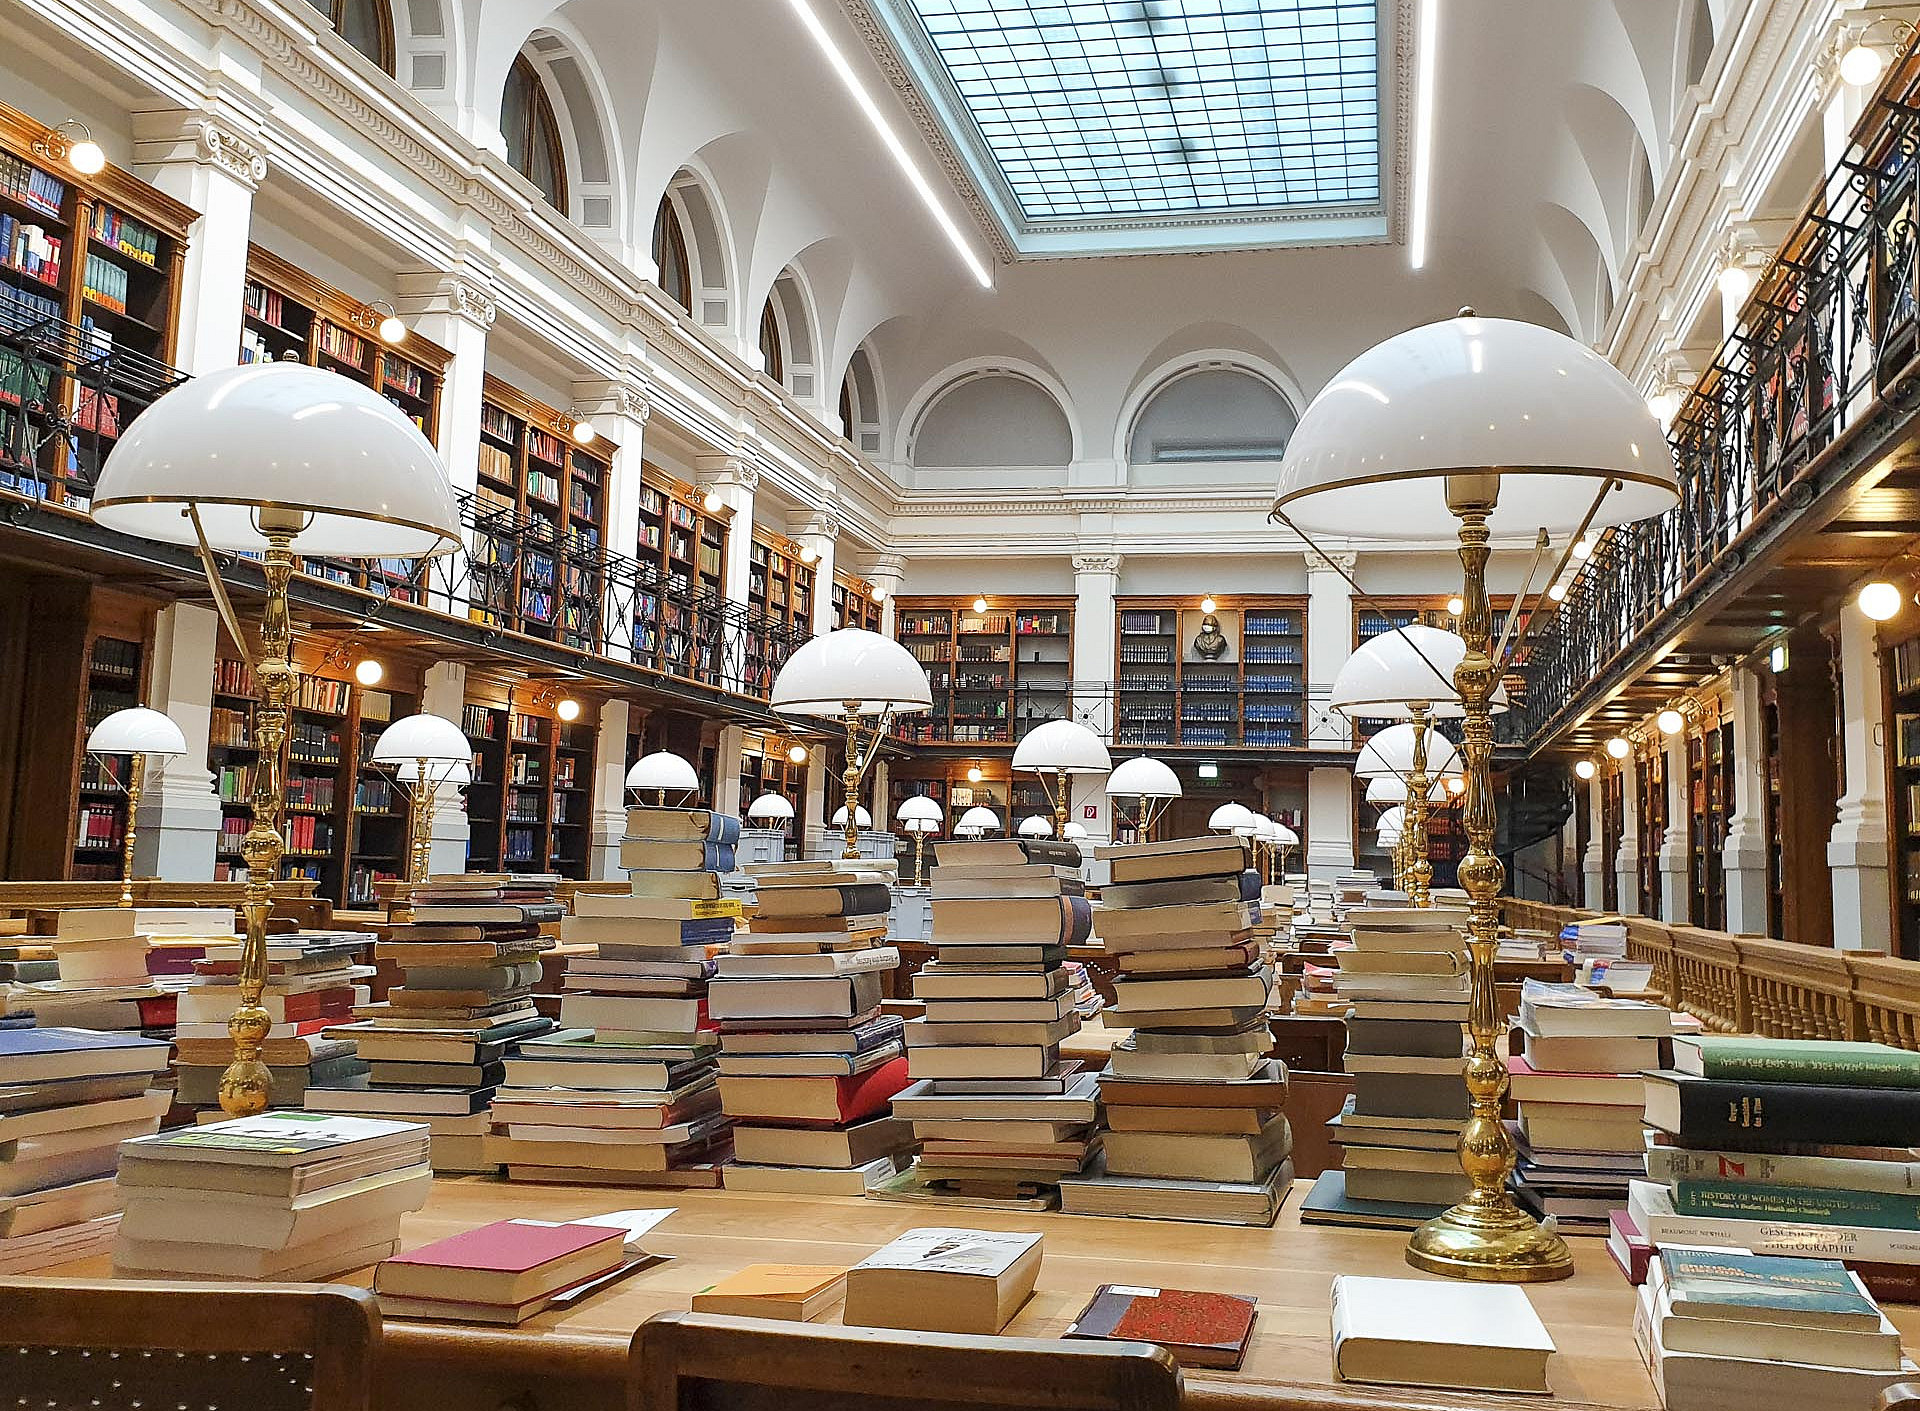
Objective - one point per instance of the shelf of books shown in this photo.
(288, 315)
(853, 604)
(116, 671)
(1613, 817)
(688, 544)
(1900, 671)
(1710, 771)
(542, 569)
(343, 819)
(102, 253)
(780, 585)
(952, 784)
(1373, 616)
(1236, 676)
(995, 673)
(1770, 777)
(766, 768)
(1650, 813)
(530, 805)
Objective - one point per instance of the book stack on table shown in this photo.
(1000, 1115)
(315, 979)
(1194, 1105)
(68, 1098)
(284, 1195)
(502, 1273)
(433, 1050)
(1406, 977)
(1724, 1327)
(808, 1063)
(27, 960)
(100, 954)
(1788, 1146)
(624, 1094)
(1576, 1081)
(1601, 938)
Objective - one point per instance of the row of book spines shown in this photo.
(30, 249)
(24, 181)
(133, 238)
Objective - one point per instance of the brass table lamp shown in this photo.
(139, 734)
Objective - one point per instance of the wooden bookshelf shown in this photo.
(102, 253)
(343, 820)
(780, 586)
(946, 782)
(117, 668)
(1612, 825)
(853, 604)
(529, 808)
(995, 674)
(1900, 673)
(543, 571)
(1710, 783)
(1772, 773)
(1650, 811)
(289, 315)
(1169, 692)
(766, 769)
(688, 544)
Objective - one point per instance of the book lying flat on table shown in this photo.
(944, 1281)
(796, 1293)
(1199, 1329)
(1421, 1332)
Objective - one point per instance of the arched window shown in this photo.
(365, 24)
(532, 133)
(774, 361)
(675, 270)
(848, 427)
(1211, 414)
(993, 419)
(1700, 40)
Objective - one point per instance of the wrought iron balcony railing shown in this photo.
(1832, 324)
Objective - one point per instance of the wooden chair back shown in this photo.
(703, 1362)
(122, 1344)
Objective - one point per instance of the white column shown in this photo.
(609, 793)
(1857, 848)
(821, 536)
(1626, 859)
(813, 819)
(726, 771)
(620, 411)
(1744, 855)
(179, 820)
(214, 165)
(732, 480)
(1593, 866)
(1675, 890)
(443, 692)
(1329, 644)
(1329, 819)
(1096, 579)
(887, 572)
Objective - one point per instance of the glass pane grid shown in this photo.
(1117, 108)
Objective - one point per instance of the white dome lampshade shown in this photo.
(456, 772)
(1143, 778)
(1390, 751)
(1409, 664)
(978, 820)
(771, 808)
(365, 480)
(1061, 747)
(1266, 831)
(921, 825)
(861, 818)
(1285, 836)
(1393, 819)
(1372, 452)
(433, 738)
(1076, 832)
(1036, 827)
(1232, 818)
(1391, 788)
(663, 770)
(137, 730)
(851, 668)
(920, 807)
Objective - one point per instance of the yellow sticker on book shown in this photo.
(709, 910)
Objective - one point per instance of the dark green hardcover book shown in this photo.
(1879, 1210)
(1830, 1062)
(1745, 1115)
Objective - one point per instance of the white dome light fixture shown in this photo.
(140, 734)
(425, 753)
(1235, 818)
(861, 818)
(772, 810)
(977, 822)
(665, 773)
(1036, 826)
(1057, 751)
(1585, 768)
(1880, 600)
(1152, 786)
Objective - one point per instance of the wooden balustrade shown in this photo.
(1749, 984)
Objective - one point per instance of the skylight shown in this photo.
(1128, 114)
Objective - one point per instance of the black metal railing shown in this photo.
(66, 392)
(1832, 322)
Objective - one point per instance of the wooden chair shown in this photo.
(702, 1362)
(126, 1343)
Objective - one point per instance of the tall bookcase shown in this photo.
(780, 586)
(101, 252)
(1900, 671)
(529, 807)
(688, 544)
(116, 673)
(289, 315)
(1710, 781)
(1613, 817)
(1650, 805)
(343, 819)
(766, 769)
(995, 673)
(1176, 684)
(542, 572)
(947, 783)
(853, 604)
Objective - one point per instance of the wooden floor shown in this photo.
(576, 1359)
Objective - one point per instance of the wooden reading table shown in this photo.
(576, 1360)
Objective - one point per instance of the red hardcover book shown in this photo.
(159, 1011)
(1630, 1249)
(507, 1262)
(834, 1101)
(1199, 1329)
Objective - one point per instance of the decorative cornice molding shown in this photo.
(1097, 563)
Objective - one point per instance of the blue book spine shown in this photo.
(724, 830)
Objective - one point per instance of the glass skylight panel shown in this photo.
(1109, 109)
